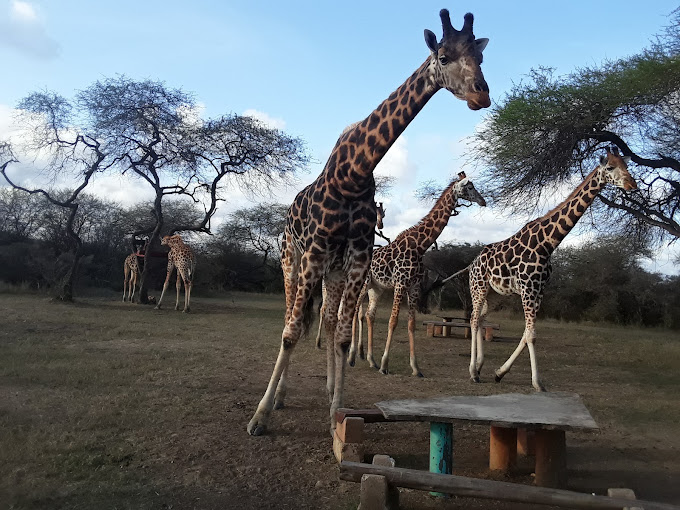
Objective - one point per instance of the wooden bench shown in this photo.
(382, 495)
(547, 415)
(443, 328)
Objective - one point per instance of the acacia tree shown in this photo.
(47, 133)
(549, 131)
(155, 134)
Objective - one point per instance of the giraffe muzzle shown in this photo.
(629, 184)
(478, 100)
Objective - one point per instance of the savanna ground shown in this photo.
(105, 404)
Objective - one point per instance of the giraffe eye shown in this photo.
(443, 60)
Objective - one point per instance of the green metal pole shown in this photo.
(441, 450)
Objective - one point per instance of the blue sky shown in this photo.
(314, 67)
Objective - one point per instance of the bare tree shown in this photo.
(46, 123)
(154, 133)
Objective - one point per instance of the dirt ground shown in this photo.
(105, 404)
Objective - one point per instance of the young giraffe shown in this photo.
(330, 226)
(380, 211)
(131, 270)
(521, 263)
(182, 257)
(399, 266)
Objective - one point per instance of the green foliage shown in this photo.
(548, 131)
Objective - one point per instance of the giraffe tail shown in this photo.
(464, 270)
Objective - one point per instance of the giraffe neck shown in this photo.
(361, 147)
(428, 229)
(558, 223)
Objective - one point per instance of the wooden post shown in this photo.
(502, 448)
(441, 450)
(488, 334)
(438, 331)
(551, 458)
(430, 330)
(446, 330)
(468, 333)
(525, 442)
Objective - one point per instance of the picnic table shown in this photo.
(549, 415)
(444, 326)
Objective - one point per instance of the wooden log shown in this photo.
(490, 489)
(551, 458)
(525, 442)
(502, 448)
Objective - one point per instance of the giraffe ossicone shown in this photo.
(521, 263)
(330, 226)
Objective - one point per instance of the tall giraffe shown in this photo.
(399, 266)
(131, 271)
(330, 226)
(521, 263)
(380, 212)
(182, 257)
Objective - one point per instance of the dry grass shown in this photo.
(111, 405)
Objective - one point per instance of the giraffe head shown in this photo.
(614, 168)
(456, 62)
(466, 190)
(381, 214)
(171, 240)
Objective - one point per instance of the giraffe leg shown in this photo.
(413, 296)
(480, 337)
(133, 284)
(531, 299)
(171, 266)
(478, 292)
(125, 280)
(298, 294)
(394, 319)
(290, 264)
(178, 284)
(335, 287)
(373, 297)
(342, 339)
(356, 342)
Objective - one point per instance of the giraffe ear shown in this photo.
(481, 43)
(603, 160)
(431, 41)
(626, 159)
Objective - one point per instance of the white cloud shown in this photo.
(23, 11)
(22, 30)
(265, 118)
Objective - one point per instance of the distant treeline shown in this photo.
(600, 281)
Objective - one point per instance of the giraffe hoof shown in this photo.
(497, 378)
(384, 371)
(279, 404)
(350, 362)
(255, 428)
(157, 307)
(475, 379)
(419, 374)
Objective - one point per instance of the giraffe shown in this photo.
(182, 257)
(521, 263)
(399, 266)
(380, 211)
(131, 270)
(330, 226)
